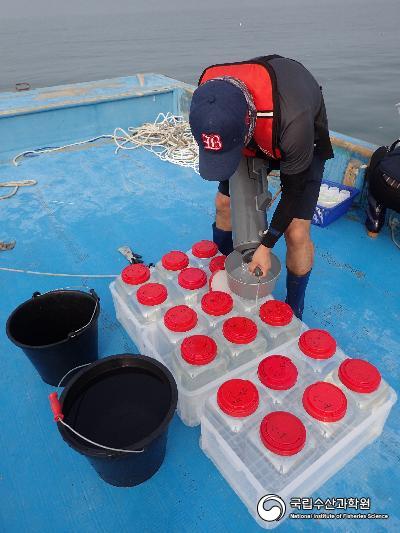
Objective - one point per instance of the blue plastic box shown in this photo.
(323, 216)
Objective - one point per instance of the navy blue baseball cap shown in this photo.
(219, 122)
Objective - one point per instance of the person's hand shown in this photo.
(261, 259)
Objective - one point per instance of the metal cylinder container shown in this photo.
(247, 285)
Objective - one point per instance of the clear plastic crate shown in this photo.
(192, 399)
(154, 339)
(132, 325)
(255, 454)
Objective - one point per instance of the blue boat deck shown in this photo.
(88, 202)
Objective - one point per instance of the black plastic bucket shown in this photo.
(124, 402)
(57, 331)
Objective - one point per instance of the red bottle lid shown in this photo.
(198, 350)
(217, 303)
(152, 294)
(283, 433)
(135, 274)
(239, 330)
(174, 260)
(317, 344)
(277, 372)
(192, 278)
(359, 375)
(325, 402)
(180, 318)
(276, 313)
(217, 263)
(238, 398)
(204, 249)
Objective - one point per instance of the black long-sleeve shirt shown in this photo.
(292, 191)
(303, 132)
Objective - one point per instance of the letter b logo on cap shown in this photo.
(211, 141)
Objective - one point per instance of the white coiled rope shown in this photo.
(169, 138)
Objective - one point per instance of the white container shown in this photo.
(130, 279)
(282, 454)
(178, 322)
(215, 307)
(344, 194)
(171, 264)
(276, 376)
(232, 408)
(278, 323)
(361, 381)
(216, 263)
(239, 341)
(196, 362)
(250, 458)
(201, 253)
(191, 284)
(318, 350)
(150, 302)
(329, 409)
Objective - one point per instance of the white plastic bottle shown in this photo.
(150, 302)
(197, 362)
(239, 341)
(217, 263)
(215, 307)
(316, 347)
(278, 322)
(277, 375)
(362, 381)
(201, 253)
(191, 285)
(130, 279)
(326, 405)
(281, 440)
(179, 322)
(171, 264)
(232, 407)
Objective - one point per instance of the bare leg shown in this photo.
(222, 227)
(299, 262)
(223, 212)
(300, 249)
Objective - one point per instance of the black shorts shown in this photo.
(223, 187)
(309, 198)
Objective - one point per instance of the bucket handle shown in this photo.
(73, 334)
(69, 372)
(59, 417)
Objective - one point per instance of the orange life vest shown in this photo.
(260, 80)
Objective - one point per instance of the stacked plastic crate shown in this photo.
(282, 408)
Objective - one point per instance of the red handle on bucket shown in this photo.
(55, 406)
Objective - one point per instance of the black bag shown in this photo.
(390, 164)
(385, 160)
(383, 178)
